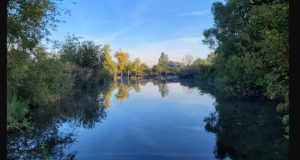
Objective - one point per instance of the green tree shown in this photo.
(251, 42)
(136, 66)
(144, 68)
(88, 55)
(157, 68)
(163, 61)
(69, 49)
(28, 22)
(129, 68)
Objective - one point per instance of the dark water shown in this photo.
(152, 121)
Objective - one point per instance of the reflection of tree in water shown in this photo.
(187, 90)
(123, 92)
(46, 140)
(247, 130)
(163, 89)
(40, 144)
(108, 93)
(136, 87)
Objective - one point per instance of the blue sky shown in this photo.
(143, 28)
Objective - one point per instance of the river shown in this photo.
(152, 120)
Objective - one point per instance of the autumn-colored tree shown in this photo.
(107, 61)
(122, 58)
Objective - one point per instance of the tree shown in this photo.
(251, 42)
(30, 21)
(136, 66)
(122, 58)
(157, 68)
(107, 61)
(88, 55)
(144, 68)
(69, 49)
(187, 60)
(129, 68)
(163, 60)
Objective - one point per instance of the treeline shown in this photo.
(38, 77)
(251, 58)
(123, 64)
(136, 69)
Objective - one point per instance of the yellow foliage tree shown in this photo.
(108, 63)
(122, 58)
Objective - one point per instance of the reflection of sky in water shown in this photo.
(147, 125)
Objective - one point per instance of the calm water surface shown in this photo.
(151, 120)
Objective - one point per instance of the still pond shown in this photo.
(152, 120)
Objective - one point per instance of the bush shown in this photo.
(16, 111)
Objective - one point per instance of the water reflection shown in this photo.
(247, 130)
(123, 89)
(244, 129)
(46, 140)
(123, 92)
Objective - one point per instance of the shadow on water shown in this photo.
(244, 129)
(46, 140)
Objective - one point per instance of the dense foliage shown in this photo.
(251, 42)
(38, 77)
(250, 39)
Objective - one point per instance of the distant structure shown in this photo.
(172, 64)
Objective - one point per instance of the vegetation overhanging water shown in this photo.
(47, 89)
(149, 121)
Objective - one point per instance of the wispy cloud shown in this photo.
(195, 13)
(121, 31)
